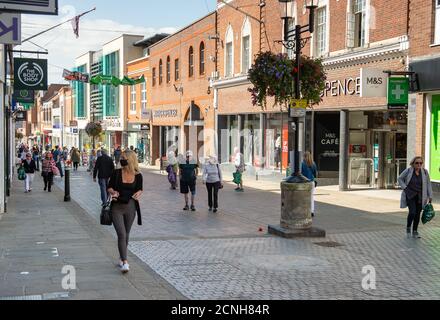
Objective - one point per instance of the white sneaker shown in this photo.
(120, 264)
(125, 268)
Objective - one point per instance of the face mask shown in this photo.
(124, 162)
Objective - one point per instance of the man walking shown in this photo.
(103, 168)
(117, 154)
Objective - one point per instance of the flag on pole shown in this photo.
(75, 25)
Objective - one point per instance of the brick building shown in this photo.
(425, 62)
(350, 35)
(181, 100)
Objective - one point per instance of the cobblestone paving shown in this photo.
(224, 256)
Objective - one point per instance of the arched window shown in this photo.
(168, 69)
(229, 53)
(160, 71)
(246, 46)
(191, 62)
(202, 58)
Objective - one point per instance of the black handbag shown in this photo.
(106, 213)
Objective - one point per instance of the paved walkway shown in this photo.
(226, 255)
(41, 234)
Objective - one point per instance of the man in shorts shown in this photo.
(188, 176)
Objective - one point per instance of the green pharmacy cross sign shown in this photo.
(398, 88)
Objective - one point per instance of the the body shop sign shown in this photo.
(30, 74)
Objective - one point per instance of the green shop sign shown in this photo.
(434, 169)
(398, 88)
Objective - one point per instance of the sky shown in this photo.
(110, 19)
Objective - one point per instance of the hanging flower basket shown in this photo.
(93, 129)
(273, 75)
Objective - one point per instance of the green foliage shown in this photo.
(273, 75)
(93, 129)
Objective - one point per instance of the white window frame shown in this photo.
(144, 95)
(229, 40)
(324, 50)
(133, 99)
(351, 25)
(313, 49)
(437, 22)
(246, 31)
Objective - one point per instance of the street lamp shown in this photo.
(293, 40)
(93, 107)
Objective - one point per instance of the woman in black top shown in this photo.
(29, 168)
(125, 187)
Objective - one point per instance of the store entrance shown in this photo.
(378, 149)
(389, 156)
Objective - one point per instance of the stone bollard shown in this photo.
(296, 216)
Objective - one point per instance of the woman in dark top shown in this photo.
(29, 168)
(125, 187)
(417, 192)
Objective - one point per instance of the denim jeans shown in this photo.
(415, 210)
(103, 185)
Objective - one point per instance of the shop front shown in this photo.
(138, 136)
(427, 104)
(165, 133)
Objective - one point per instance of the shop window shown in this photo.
(202, 58)
(191, 62)
(437, 22)
(160, 72)
(321, 32)
(168, 69)
(176, 70)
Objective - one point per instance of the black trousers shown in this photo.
(75, 166)
(213, 191)
(48, 180)
(415, 209)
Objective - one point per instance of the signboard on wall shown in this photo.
(10, 28)
(434, 169)
(30, 6)
(373, 83)
(326, 146)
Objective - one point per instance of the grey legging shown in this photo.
(123, 217)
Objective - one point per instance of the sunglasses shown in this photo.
(418, 162)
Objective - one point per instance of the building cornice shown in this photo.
(398, 47)
(230, 82)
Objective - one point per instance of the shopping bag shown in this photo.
(106, 213)
(21, 174)
(237, 177)
(428, 213)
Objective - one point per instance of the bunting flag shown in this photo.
(112, 80)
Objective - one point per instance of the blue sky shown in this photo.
(111, 18)
(148, 13)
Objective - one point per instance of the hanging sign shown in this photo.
(20, 115)
(30, 6)
(75, 76)
(10, 28)
(30, 74)
(398, 88)
(24, 96)
(373, 83)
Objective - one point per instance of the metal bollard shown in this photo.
(67, 184)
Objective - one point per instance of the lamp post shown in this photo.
(293, 40)
(296, 190)
(93, 107)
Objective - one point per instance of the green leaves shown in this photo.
(114, 81)
(273, 75)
